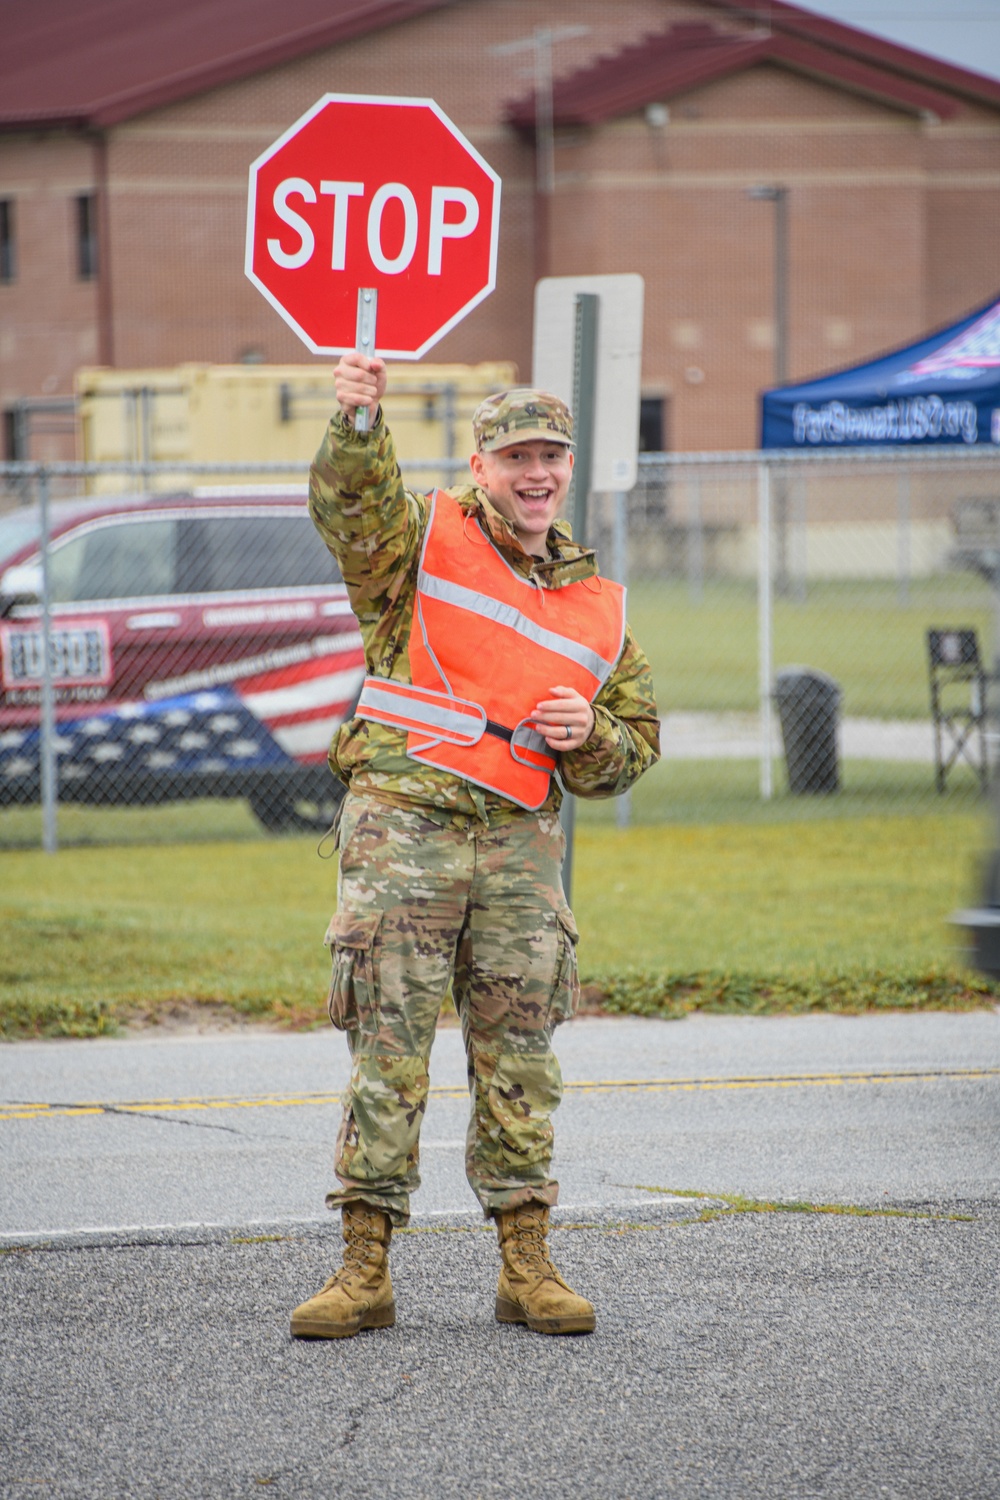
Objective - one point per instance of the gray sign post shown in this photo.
(582, 406)
(588, 350)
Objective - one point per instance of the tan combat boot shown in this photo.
(359, 1295)
(530, 1289)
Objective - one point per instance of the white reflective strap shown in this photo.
(506, 614)
(408, 707)
(526, 738)
(526, 742)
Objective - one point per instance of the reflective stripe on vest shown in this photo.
(409, 707)
(453, 719)
(486, 645)
(506, 614)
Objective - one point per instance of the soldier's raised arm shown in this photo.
(369, 520)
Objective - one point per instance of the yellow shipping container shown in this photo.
(195, 413)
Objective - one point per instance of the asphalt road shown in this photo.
(162, 1212)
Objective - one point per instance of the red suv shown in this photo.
(202, 645)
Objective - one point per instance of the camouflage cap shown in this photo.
(519, 416)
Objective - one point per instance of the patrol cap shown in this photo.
(520, 416)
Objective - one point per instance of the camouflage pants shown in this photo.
(420, 907)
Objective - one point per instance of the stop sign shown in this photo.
(365, 191)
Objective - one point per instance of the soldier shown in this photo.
(496, 657)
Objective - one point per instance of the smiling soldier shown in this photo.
(498, 660)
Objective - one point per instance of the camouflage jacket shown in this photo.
(374, 527)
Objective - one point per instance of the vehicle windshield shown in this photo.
(16, 531)
(19, 528)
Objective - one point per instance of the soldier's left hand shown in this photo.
(565, 720)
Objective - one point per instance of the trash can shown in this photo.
(808, 702)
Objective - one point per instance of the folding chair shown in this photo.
(958, 703)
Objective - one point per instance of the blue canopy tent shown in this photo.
(945, 389)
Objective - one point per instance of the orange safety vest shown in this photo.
(486, 646)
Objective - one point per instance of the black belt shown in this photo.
(500, 730)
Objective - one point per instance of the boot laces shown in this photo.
(529, 1247)
(359, 1253)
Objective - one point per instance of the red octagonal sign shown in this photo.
(376, 192)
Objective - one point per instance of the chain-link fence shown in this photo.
(820, 629)
(821, 626)
(201, 652)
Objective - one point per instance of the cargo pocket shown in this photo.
(566, 991)
(353, 942)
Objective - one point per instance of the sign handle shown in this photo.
(364, 342)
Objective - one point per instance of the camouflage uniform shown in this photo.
(442, 881)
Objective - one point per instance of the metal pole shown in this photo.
(780, 483)
(695, 541)
(544, 149)
(800, 533)
(545, 134)
(584, 397)
(47, 717)
(779, 516)
(540, 43)
(904, 538)
(765, 610)
(584, 388)
(450, 434)
(619, 563)
(146, 434)
(365, 344)
(450, 419)
(780, 285)
(129, 416)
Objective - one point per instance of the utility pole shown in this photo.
(778, 196)
(541, 43)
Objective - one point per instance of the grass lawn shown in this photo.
(704, 652)
(842, 912)
(711, 898)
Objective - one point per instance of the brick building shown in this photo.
(686, 134)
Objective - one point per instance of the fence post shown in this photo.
(765, 613)
(695, 540)
(146, 436)
(47, 716)
(904, 537)
(450, 424)
(798, 529)
(619, 563)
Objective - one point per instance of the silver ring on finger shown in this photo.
(569, 732)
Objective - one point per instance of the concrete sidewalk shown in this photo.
(697, 736)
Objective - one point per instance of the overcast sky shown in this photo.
(966, 32)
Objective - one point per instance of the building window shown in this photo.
(86, 236)
(13, 436)
(8, 248)
(652, 425)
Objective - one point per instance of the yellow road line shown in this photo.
(39, 1110)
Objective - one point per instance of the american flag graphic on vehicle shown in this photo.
(280, 717)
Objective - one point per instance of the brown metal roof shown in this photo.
(94, 63)
(875, 49)
(686, 56)
(97, 62)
